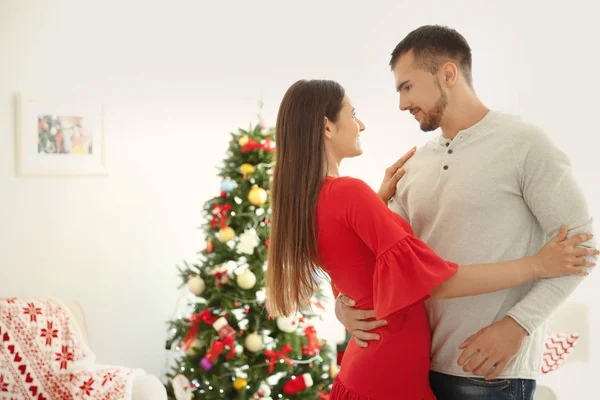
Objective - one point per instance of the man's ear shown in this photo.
(450, 74)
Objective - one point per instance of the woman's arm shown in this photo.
(558, 257)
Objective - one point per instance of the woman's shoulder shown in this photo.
(352, 192)
(350, 185)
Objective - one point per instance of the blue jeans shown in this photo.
(448, 387)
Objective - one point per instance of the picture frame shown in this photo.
(59, 137)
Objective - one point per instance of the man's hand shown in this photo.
(488, 352)
(392, 176)
(354, 320)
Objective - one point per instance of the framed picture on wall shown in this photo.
(59, 138)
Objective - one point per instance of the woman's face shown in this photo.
(344, 134)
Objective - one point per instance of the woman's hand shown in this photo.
(392, 176)
(561, 256)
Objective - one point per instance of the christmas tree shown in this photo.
(227, 346)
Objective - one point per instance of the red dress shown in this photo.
(372, 256)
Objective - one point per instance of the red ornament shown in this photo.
(312, 342)
(220, 324)
(215, 350)
(209, 246)
(247, 309)
(211, 355)
(274, 356)
(219, 212)
(237, 304)
(221, 275)
(266, 145)
(268, 242)
(298, 384)
(223, 194)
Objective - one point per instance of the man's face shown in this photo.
(420, 93)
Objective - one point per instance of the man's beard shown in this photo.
(433, 119)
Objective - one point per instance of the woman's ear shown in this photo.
(328, 128)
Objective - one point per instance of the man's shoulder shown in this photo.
(517, 130)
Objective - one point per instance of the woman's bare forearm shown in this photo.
(474, 279)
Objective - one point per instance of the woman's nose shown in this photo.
(361, 125)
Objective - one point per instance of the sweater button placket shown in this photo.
(449, 152)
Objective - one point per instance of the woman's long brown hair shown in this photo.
(300, 168)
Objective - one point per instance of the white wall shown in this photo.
(175, 79)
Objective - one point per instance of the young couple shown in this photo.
(447, 273)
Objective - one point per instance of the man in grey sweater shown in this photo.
(490, 188)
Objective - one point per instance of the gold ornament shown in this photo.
(246, 280)
(226, 234)
(243, 140)
(196, 285)
(333, 370)
(253, 342)
(257, 196)
(247, 169)
(239, 383)
(195, 347)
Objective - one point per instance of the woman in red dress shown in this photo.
(323, 222)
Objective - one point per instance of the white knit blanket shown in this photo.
(43, 356)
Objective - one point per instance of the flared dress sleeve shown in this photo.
(406, 269)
